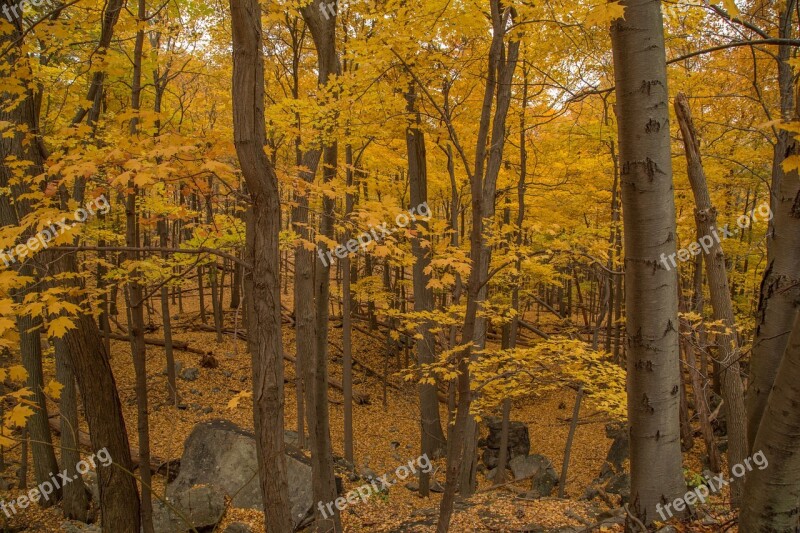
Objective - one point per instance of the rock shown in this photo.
(537, 467)
(79, 527)
(215, 390)
(518, 440)
(208, 410)
(620, 484)
(227, 373)
(90, 479)
(667, 529)
(218, 453)
(618, 453)
(190, 374)
(237, 527)
(198, 507)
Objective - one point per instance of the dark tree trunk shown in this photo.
(263, 282)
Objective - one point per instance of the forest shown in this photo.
(400, 266)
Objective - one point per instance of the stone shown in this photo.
(620, 484)
(518, 441)
(238, 527)
(79, 527)
(618, 452)
(539, 469)
(218, 453)
(90, 479)
(196, 508)
(190, 374)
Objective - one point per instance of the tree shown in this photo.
(727, 336)
(772, 491)
(263, 294)
(651, 289)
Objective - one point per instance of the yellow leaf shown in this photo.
(19, 415)
(53, 389)
(731, 7)
(791, 163)
(56, 328)
(4, 439)
(18, 373)
(233, 403)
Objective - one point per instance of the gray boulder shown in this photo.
(519, 442)
(238, 527)
(196, 508)
(539, 469)
(190, 374)
(222, 455)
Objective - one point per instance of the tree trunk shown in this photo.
(772, 492)
(433, 441)
(716, 271)
(651, 289)
(779, 299)
(119, 499)
(323, 32)
(263, 294)
(41, 443)
(172, 385)
(347, 322)
(75, 502)
(462, 442)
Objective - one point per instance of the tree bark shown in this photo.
(780, 289)
(263, 294)
(433, 441)
(462, 441)
(716, 271)
(772, 493)
(75, 502)
(651, 289)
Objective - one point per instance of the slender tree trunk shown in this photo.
(433, 440)
(716, 271)
(323, 32)
(651, 289)
(41, 442)
(75, 503)
(462, 442)
(347, 325)
(136, 296)
(263, 281)
(172, 385)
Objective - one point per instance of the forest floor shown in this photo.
(386, 436)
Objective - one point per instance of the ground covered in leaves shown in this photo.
(386, 436)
